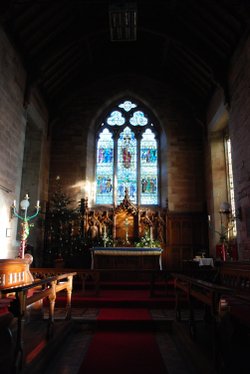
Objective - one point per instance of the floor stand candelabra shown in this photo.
(24, 204)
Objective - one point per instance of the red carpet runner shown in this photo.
(123, 352)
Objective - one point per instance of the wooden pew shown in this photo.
(83, 275)
(23, 295)
(48, 288)
(207, 293)
(237, 304)
(231, 285)
(229, 296)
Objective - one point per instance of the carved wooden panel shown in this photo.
(187, 232)
(125, 222)
(187, 236)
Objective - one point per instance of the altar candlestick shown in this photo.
(126, 231)
(151, 233)
(105, 239)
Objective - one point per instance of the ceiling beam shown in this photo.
(205, 74)
(39, 41)
(57, 78)
(39, 22)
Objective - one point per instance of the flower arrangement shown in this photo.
(107, 241)
(146, 242)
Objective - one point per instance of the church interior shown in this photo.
(124, 186)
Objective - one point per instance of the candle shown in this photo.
(37, 203)
(151, 233)
(14, 203)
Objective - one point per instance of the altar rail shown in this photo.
(91, 280)
(24, 296)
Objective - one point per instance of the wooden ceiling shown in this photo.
(66, 44)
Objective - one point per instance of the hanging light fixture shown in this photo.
(123, 21)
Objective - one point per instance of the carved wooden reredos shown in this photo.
(124, 224)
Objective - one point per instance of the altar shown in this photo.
(129, 258)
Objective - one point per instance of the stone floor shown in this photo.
(181, 354)
(176, 356)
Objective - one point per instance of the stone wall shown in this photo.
(12, 137)
(13, 120)
(181, 154)
(239, 127)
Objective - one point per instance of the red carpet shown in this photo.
(123, 352)
(117, 314)
(118, 297)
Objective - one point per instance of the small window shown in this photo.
(230, 180)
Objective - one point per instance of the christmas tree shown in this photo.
(60, 237)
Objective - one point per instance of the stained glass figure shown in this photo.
(104, 168)
(138, 119)
(127, 106)
(127, 165)
(149, 175)
(116, 118)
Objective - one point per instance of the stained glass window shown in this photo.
(149, 178)
(127, 165)
(127, 157)
(116, 118)
(104, 168)
(138, 119)
(127, 105)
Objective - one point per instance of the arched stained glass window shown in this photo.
(105, 168)
(127, 157)
(127, 165)
(149, 174)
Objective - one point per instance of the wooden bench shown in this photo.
(230, 285)
(207, 293)
(237, 303)
(85, 276)
(228, 296)
(45, 288)
(21, 296)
